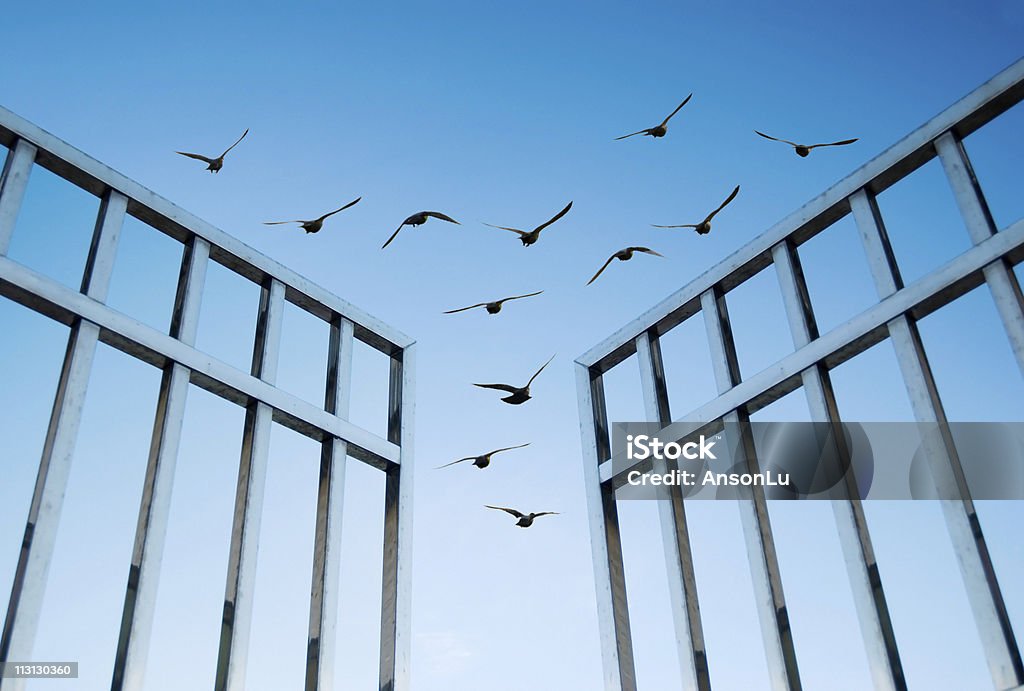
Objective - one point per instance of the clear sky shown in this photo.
(497, 113)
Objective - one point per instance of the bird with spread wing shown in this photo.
(419, 219)
(529, 238)
(214, 164)
(525, 519)
(483, 460)
(623, 255)
(517, 394)
(493, 307)
(658, 130)
(803, 149)
(704, 227)
(316, 224)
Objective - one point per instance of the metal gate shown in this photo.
(989, 261)
(91, 321)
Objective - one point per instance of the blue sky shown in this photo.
(497, 113)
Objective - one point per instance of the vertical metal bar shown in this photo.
(323, 608)
(37, 547)
(999, 276)
(605, 541)
(103, 250)
(854, 536)
(682, 580)
(13, 183)
(189, 296)
(966, 189)
(795, 297)
(873, 235)
(252, 475)
(151, 529)
(983, 591)
(764, 566)
(268, 331)
(396, 581)
(29, 584)
(962, 522)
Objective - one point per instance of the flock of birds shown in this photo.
(518, 395)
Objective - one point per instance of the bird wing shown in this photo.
(557, 216)
(500, 387)
(438, 214)
(842, 143)
(331, 213)
(625, 136)
(279, 223)
(467, 458)
(235, 144)
(508, 448)
(545, 513)
(648, 250)
(599, 271)
(776, 139)
(517, 514)
(723, 204)
(514, 230)
(688, 225)
(463, 309)
(685, 101)
(539, 371)
(518, 297)
(392, 236)
(198, 157)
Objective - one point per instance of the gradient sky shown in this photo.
(497, 113)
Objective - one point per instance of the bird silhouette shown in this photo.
(419, 219)
(658, 130)
(525, 519)
(529, 238)
(493, 307)
(215, 164)
(704, 227)
(804, 149)
(518, 394)
(316, 224)
(623, 255)
(484, 460)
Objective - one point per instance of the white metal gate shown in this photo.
(92, 321)
(989, 261)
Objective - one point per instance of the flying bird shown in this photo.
(215, 164)
(316, 224)
(658, 130)
(493, 307)
(529, 238)
(525, 519)
(518, 394)
(419, 219)
(623, 255)
(704, 227)
(484, 460)
(804, 149)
